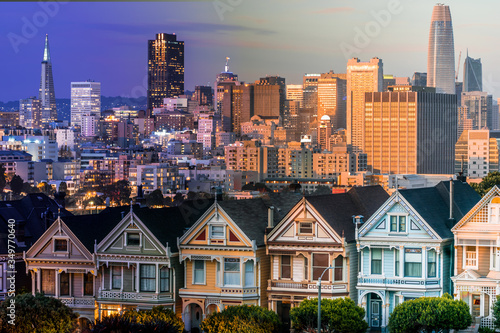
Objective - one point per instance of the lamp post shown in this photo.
(319, 297)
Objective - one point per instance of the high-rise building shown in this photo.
(473, 74)
(46, 94)
(310, 95)
(30, 112)
(332, 98)
(441, 52)
(479, 106)
(362, 77)
(419, 79)
(324, 132)
(222, 81)
(89, 125)
(165, 69)
(237, 105)
(269, 96)
(477, 153)
(410, 132)
(85, 99)
(203, 95)
(295, 92)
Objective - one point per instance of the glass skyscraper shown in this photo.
(441, 53)
(473, 74)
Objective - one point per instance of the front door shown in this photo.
(375, 313)
(283, 311)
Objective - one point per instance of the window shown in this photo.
(305, 228)
(305, 269)
(64, 283)
(338, 271)
(396, 262)
(396, 300)
(217, 275)
(320, 263)
(231, 272)
(148, 277)
(470, 256)
(48, 281)
(164, 279)
(88, 284)
(376, 261)
(286, 267)
(116, 277)
(199, 272)
(398, 223)
(60, 245)
(431, 263)
(249, 274)
(133, 239)
(216, 231)
(413, 262)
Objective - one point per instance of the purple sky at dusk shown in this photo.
(107, 41)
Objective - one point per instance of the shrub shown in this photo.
(242, 319)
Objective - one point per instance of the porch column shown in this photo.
(157, 275)
(481, 306)
(136, 277)
(57, 288)
(424, 262)
(39, 280)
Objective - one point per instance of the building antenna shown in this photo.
(226, 68)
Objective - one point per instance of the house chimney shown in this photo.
(270, 217)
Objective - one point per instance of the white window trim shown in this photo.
(241, 273)
(427, 264)
(407, 219)
(464, 261)
(217, 225)
(54, 244)
(133, 246)
(281, 266)
(397, 253)
(204, 274)
(370, 263)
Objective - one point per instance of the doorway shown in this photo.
(283, 311)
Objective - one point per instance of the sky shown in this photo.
(107, 41)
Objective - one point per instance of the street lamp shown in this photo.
(319, 297)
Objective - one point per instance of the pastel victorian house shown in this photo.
(138, 261)
(476, 275)
(406, 247)
(317, 233)
(225, 261)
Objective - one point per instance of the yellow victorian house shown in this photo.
(225, 259)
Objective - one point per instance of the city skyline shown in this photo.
(258, 42)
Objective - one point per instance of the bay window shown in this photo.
(231, 272)
(164, 279)
(64, 284)
(431, 263)
(286, 267)
(199, 272)
(249, 274)
(338, 271)
(148, 277)
(376, 262)
(319, 264)
(413, 262)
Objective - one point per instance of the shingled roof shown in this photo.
(338, 209)
(432, 203)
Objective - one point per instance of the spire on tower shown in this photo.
(226, 68)
(46, 52)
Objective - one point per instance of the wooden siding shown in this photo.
(265, 271)
(352, 269)
(483, 260)
(459, 250)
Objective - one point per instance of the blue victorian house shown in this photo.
(406, 247)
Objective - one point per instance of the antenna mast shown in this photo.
(226, 68)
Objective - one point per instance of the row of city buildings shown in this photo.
(201, 257)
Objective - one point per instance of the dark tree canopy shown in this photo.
(3, 179)
(492, 179)
(16, 184)
(37, 314)
(155, 198)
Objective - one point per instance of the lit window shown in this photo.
(60, 245)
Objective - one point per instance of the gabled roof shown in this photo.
(495, 191)
(432, 204)
(338, 209)
(250, 215)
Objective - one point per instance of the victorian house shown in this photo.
(317, 235)
(406, 247)
(225, 261)
(476, 276)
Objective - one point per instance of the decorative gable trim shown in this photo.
(384, 209)
(468, 274)
(495, 191)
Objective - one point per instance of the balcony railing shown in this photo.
(307, 286)
(134, 296)
(78, 301)
(239, 290)
(383, 281)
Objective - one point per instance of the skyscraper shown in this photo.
(46, 94)
(85, 99)
(362, 77)
(331, 98)
(165, 69)
(441, 52)
(270, 96)
(479, 108)
(30, 112)
(409, 132)
(473, 74)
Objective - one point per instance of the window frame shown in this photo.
(50, 282)
(336, 268)
(249, 263)
(429, 263)
(113, 275)
(163, 278)
(300, 227)
(313, 267)
(133, 233)
(282, 265)
(61, 282)
(203, 269)
(141, 277)
(54, 247)
(225, 271)
(397, 262)
(87, 282)
(381, 261)
(398, 219)
(466, 260)
(405, 262)
(212, 226)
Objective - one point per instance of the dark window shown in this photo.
(320, 263)
(60, 245)
(88, 281)
(133, 239)
(286, 267)
(48, 281)
(148, 277)
(305, 228)
(339, 268)
(64, 283)
(376, 261)
(164, 279)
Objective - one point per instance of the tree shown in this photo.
(155, 198)
(16, 184)
(427, 314)
(337, 315)
(261, 187)
(63, 187)
(3, 179)
(496, 312)
(322, 189)
(45, 188)
(242, 319)
(65, 152)
(28, 188)
(492, 179)
(37, 314)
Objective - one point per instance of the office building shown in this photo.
(269, 96)
(441, 51)
(295, 92)
(65, 137)
(419, 79)
(362, 77)
(324, 132)
(85, 99)
(165, 69)
(479, 108)
(46, 93)
(410, 132)
(476, 153)
(473, 74)
(89, 125)
(332, 98)
(30, 113)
